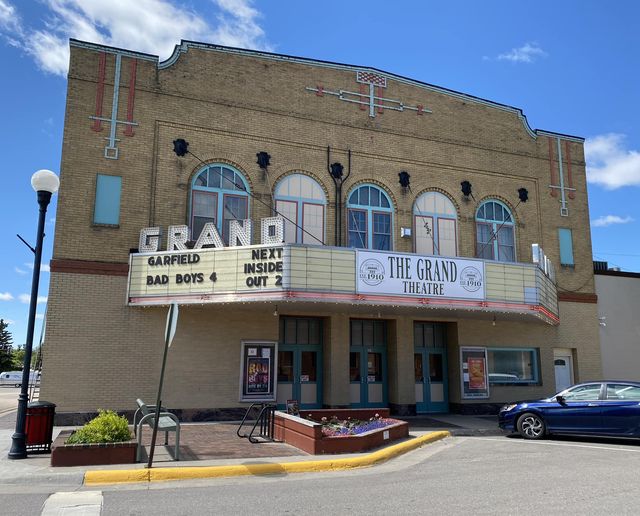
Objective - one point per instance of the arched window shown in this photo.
(219, 194)
(369, 218)
(436, 225)
(494, 232)
(301, 199)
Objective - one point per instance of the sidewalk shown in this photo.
(211, 445)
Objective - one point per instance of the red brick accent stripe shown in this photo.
(131, 97)
(364, 88)
(379, 93)
(102, 65)
(572, 195)
(577, 297)
(86, 267)
(552, 171)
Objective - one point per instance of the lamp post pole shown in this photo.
(45, 183)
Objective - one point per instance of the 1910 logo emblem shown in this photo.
(471, 279)
(372, 272)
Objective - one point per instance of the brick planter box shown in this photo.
(307, 435)
(91, 454)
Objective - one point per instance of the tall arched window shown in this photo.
(435, 220)
(301, 199)
(219, 194)
(369, 218)
(494, 232)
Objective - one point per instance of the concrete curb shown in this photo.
(195, 472)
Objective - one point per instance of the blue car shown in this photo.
(605, 408)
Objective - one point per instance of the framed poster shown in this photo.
(257, 371)
(475, 379)
(293, 407)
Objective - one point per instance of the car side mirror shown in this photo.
(560, 399)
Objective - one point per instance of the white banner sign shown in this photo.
(419, 276)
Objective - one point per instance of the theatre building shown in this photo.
(332, 234)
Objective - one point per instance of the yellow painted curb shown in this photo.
(193, 472)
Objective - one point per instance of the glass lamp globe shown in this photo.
(45, 180)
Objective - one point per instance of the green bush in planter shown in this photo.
(107, 427)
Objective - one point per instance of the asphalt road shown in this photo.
(459, 475)
(8, 398)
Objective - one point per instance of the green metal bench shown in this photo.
(168, 422)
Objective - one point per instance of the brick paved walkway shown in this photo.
(207, 441)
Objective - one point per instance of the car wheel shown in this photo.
(531, 426)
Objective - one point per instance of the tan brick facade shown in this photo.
(229, 105)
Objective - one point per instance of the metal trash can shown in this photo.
(39, 426)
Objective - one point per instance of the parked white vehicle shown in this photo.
(15, 378)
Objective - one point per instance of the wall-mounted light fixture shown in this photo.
(465, 186)
(275, 312)
(523, 194)
(404, 180)
(180, 147)
(263, 160)
(493, 323)
(336, 170)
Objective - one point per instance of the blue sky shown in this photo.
(573, 67)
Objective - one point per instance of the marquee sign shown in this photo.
(420, 276)
(207, 271)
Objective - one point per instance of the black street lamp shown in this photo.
(45, 183)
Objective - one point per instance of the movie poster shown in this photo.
(257, 374)
(475, 381)
(477, 378)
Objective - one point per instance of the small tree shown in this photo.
(17, 356)
(6, 347)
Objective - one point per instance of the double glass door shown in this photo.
(368, 364)
(430, 368)
(300, 362)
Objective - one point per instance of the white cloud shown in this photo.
(44, 267)
(26, 298)
(608, 220)
(9, 321)
(39, 316)
(609, 163)
(8, 17)
(5, 296)
(20, 271)
(527, 53)
(152, 26)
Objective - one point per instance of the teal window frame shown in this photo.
(565, 242)
(494, 250)
(233, 187)
(106, 208)
(377, 218)
(535, 367)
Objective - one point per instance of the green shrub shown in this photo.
(107, 427)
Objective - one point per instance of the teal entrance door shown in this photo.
(300, 362)
(368, 364)
(430, 367)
